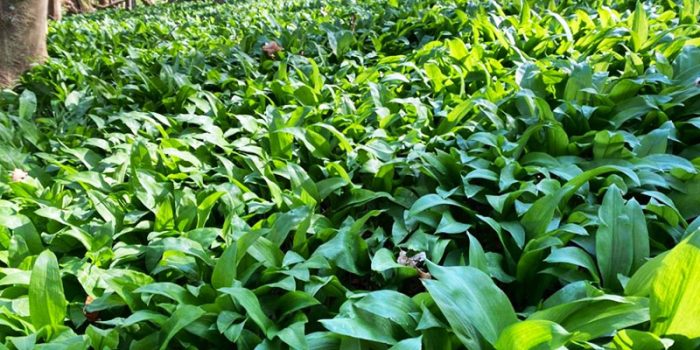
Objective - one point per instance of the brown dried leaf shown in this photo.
(272, 48)
(424, 275)
(91, 316)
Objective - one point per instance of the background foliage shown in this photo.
(405, 175)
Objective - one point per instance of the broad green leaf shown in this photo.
(27, 104)
(533, 334)
(593, 317)
(640, 27)
(166, 289)
(347, 249)
(183, 316)
(225, 270)
(608, 145)
(675, 291)
(391, 305)
(294, 301)
(204, 208)
(47, 303)
(102, 339)
(294, 336)
(541, 213)
(430, 201)
(640, 283)
(614, 240)
(250, 303)
(408, 344)
(384, 260)
(362, 326)
(630, 339)
(575, 256)
(458, 49)
(230, 324)
(473, 305)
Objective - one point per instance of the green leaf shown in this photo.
(306, 95)
(639, 233)
(408, 344)
(473, 305)
(27, 104)
(47, 303)
(347, 249)
(614, 240)
(533, 334)
(362, 326)
(631, 339)
(166, 289)
(608, 145)
(593, 317)
(294, 301)
(204, 208)
(250, 303)
(102, 339)
(640, 283)
(430, 201)
(165, 216)
(391, 305)
(225, 270)
(458, 49)
(575, 256)
(685, 199)
(183, 316)
(640, 27)
(226, 324)
(294, 336)
(675, 291)
(540, 214)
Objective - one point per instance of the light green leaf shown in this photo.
(675, 291)
(631, 339)
(47, 303)
(640, 27)
(533, 334)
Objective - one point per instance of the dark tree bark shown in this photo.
(55, 10)
(22, 37)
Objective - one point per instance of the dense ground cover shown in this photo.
(435, 174)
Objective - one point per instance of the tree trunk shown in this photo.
(85, 6)
(22, 37)
(55, 10)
